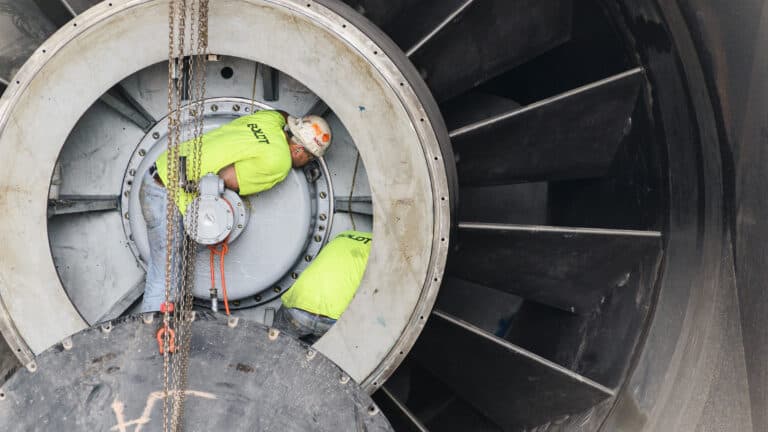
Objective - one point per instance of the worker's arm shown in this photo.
(229, 176)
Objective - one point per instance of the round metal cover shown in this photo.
(241, 378)
(214, 220)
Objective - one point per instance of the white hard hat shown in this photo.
(311, 132)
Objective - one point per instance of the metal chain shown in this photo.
(176, 30)
(175, 370)
(183, 317)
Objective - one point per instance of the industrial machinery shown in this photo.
(566, 196)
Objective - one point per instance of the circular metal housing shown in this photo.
(215, 219)
(382, 102)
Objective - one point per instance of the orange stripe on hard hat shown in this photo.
(318, 130)
(326, 138)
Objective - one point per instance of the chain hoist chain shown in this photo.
(175, 371)
(176, 24)
(183, 318)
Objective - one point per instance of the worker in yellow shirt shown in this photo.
(323, 291)
(250, 154)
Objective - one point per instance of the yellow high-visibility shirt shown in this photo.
(255, 144)
(327, 286)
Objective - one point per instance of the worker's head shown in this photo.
(311, 138)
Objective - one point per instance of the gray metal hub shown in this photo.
(291, 218)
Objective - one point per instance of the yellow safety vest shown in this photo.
(327, 286)
(255, 144)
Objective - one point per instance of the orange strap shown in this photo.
(221, 253)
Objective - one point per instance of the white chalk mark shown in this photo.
(118, 407)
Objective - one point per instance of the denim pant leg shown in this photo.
(286, 322)
(153, 199)
(302, 324)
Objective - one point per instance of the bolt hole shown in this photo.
(421, 120)
(436, 158)
(375, 53)
(75, 24)
(227, 72)
(421, 317)
(343, 26)
(44, 51)
(309, 5)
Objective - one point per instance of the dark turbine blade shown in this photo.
(570, 136)
(488, 38)
(401, 418)
(508, 384)
(567, 268)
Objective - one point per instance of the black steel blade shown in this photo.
(568, 268)
(573, 135)
(511, 386)
(488, 38)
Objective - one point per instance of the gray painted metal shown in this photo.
(358, 204)
(122, 102)
(511, 386)
(271, 83)
(519, 259)
(241, 378)
(68, 204)
(569, 136)
(412, 208)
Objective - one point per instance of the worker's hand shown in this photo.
(229, 175)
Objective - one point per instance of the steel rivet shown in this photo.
(214, 108)
(236, 108)
(258, 297)
(131, 172)
(148, 318)
(311, 354)
(156, 135)
(239, 226)
(67, 344)
(273, 334)
(318, 238)
(323, 195)
(127, 216)
(308, 258)
(323, 216)
(343, 379)
(31, 366)
(373, 410)
(142, 152)
(276, 289)
(294, 275)
(106, 328)
(321, 228)
(127, 193)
